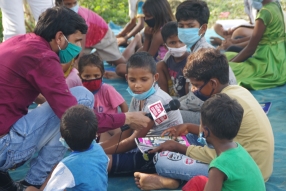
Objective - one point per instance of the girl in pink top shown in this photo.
(107, 99)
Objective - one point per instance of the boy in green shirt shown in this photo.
(233, 169)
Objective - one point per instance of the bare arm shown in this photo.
(124, 107)
(115, 139)
(156, 42)
(216, 179)
(129, 143)
(139, 26)
(128, 27)
(257, 34)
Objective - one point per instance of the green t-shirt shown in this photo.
(241, 170)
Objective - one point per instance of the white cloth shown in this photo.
(13, 15)
(61, 179)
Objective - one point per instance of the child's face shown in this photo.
(90, 72)
(174, 42)
(147, 15)
(202, 89)
(69, 3)
(140, 80)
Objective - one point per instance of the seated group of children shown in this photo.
(228, 120)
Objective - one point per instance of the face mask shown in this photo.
(189, 36)
(177, 52)
(257, 4)
(64, 142)
(150, 22)
(200, 95)
(144, 95)
(69, 53)
(75, 8)
(202, 140)
(92, 85)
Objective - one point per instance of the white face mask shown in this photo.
(177, 52)
(75, 8)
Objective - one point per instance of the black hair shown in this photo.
(193, 9)
(207, 63)
(222, 115)
(58, 2)
(78, 127)
(58, 19)
(169, 29)
(90, 60)
(142, 60)
(161, 12)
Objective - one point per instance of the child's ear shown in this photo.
(156, 77)
(126, 77)
(204, 28)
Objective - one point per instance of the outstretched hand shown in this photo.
(176, 131)
(170, 145)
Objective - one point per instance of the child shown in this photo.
(141, 77)
(170, 70)
(157, 14)
(99, 35)
(192, 17)
(132, 28)
(107, 99)
(71, 74)
(262, 63)
(86, 167)
(233, 168)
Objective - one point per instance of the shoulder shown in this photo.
(159, 95)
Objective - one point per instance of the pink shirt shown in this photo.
(73, 79)
(28, 67)
(107, 99)
(97, 26)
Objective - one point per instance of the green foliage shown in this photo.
(109, 10)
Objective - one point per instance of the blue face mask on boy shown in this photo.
(200, 95)
(189, 36)
(64, 142)
(257, 4)
(75, 8)
(144, 95)
(202, 140)
(69, 53)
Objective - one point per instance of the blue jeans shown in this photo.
(38, 131)
(179, 166)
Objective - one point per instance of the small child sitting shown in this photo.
(107, 99)
(172, 80)
(141, 78)
(86, 167)
(233, 168)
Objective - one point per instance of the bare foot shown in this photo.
(154, 181)
(110, 75)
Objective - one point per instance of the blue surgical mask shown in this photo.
(257, 4)
(75, 8)
(202, 140)
(64, 142)
(69, 53)
(200, 95)
(189, 36)
(144, 95)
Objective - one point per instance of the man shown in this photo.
(30, 65)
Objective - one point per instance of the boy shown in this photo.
(170, 70)
(233, 168)
(86, 167)
(132, 28)
(98, 35)
(209, 79)
(192, 17)
(141, 77)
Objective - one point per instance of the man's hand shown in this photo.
(170, 145)
(176, 131)
(137, 120)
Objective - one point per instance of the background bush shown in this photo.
(117, 10)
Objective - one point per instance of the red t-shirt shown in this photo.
(97, 26)
(28, 67)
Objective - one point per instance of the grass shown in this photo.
(117, 10)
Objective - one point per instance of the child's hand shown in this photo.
(121, 41)
(176, 131)
(148, 31)
(170, 146)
